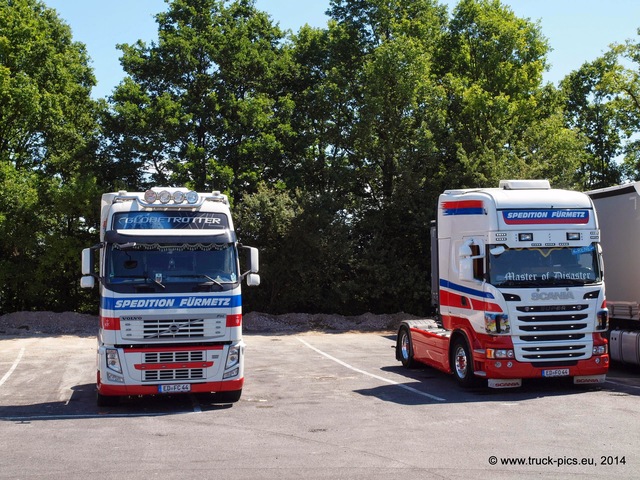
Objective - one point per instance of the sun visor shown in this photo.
(147, 236)
(170, 226)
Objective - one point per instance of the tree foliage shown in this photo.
(47, 127)
(333, 143)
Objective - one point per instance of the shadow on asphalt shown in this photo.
(433, 383)
(82, 404)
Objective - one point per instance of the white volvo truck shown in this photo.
(169, 275)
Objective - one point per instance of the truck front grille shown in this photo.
(560, 352)
(172, 357)
(171, 328)
(552, 333)
(177, 374)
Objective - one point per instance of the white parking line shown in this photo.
(621, 384)
(387, 380)
(13, 367)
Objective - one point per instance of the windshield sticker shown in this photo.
(170, 221)
(581, 250)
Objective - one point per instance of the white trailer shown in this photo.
(618, 210)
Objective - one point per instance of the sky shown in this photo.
(578, 30)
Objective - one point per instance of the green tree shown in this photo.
(624, 81)
(202, 106)
(491, 64)
(592, 109)
(47, 132)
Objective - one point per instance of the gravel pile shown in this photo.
(71, 323)
(50, 323)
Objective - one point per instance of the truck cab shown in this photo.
(518, 288)
(169, 274)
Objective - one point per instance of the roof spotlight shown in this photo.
(178, 196)
(150, 196)
(164, 196)
(192, 197)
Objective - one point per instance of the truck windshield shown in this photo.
(529, 267)
(166, 265)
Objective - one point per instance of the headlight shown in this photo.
(599, 349)
(602, 320)
(233, 357)
(499, 353)
(113, 360)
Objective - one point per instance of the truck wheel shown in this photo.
(107, 401)
(462, 363)
(404, 348)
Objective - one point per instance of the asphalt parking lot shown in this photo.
(315, 405)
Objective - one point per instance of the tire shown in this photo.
(404, 348)
(106, 401)
(462, 363)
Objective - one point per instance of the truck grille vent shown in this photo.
(561, 352)
(552, 318)
(178, 374)
(552, 308)
(173, 329)
(150, 329)
(552, 334)
(550, 338)
(172, 357)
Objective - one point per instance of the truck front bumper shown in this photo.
(134, 390)
(591, 370)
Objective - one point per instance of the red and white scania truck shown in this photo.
(170, 303)
(619, 213)
(517, 283)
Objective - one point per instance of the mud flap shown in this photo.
(589, 379)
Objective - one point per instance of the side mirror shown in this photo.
(89, 275)
(466, 268)
(87, 282)
(87, 261)
(253, 266)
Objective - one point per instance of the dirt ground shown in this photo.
(71, 323)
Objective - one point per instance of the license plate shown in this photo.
(177, 388)
(558, 372)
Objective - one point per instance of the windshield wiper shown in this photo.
(141, 277)
(212, 280)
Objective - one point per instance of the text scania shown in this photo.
(171, 302)
(552, 296)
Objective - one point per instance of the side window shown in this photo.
(478, 263)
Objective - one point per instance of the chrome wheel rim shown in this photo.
(404, 346)
(461, 362)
